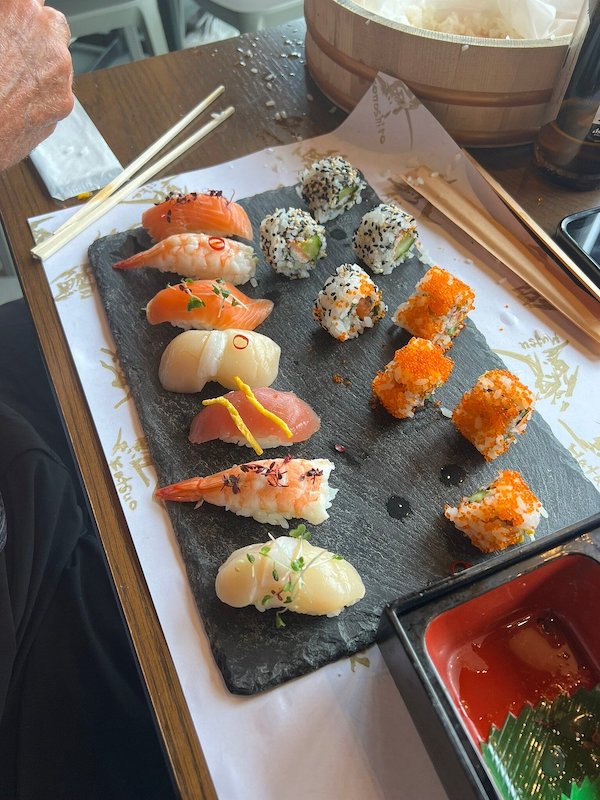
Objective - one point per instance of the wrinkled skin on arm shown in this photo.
(35, 76)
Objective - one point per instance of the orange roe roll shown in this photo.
(415, 372)
(437, 309)
(494, 412)
(499, 515)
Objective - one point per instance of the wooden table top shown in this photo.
(132, 105)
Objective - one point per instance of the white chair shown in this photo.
(87, 17)
(248, 16)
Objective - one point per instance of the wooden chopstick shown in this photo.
(142, 159)
(54, 243)
(539, 233)
(541, 273)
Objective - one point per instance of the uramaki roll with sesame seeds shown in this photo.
(348, 303)
(329, 187)
(499, 515)
(494, 412)
(292, 241)
(385, 237)
(415, 372)
(437, 309)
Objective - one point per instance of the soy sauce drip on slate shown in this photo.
(452, 474)
(398, 507)
(337, 233)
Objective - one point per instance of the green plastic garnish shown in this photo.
(550, 751)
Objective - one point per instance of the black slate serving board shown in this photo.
(383, 457)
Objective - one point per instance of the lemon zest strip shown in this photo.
(260, 408)
(237, 420)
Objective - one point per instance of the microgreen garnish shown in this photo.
(300, 532)
(297, 564)
(275, 575)
(279, 623)
(195, 302)
(264, 551)
(266, 599)
(231, 482)
(250, 558)
(337, 557)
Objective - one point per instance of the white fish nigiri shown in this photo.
(194, 358)
(290, 573)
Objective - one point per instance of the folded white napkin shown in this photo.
(75, 159)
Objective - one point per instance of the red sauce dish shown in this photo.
(536, 636)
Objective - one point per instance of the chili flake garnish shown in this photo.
(216, 242)
(240, 342)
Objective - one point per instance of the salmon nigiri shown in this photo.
(197, 255)
(270, 491)
(215, 422)
(207, 305)
(208, 212)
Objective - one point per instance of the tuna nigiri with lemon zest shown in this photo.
(207, 305)
(196, 255)
(275, 419)
(208, 212)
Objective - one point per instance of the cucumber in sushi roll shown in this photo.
(329, 187)
(292, 242)
(386, 237)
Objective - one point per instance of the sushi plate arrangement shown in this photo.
(379, 474)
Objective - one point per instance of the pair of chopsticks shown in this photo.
(125, 183)
(536, 268)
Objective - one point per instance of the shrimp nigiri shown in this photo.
(289, 573)
(196, 255)
(208, 212)
(193, 358)
(207, 305)
(215, 422)
(269, 491)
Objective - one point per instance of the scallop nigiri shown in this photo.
(207, 212)
(194, 358)
(271, 491)
(215, 422)
(196, 255)
(207, 305)
(289, 573)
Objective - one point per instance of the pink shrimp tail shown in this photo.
(132, 262)
(190, 490)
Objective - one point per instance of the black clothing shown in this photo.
(75, 723)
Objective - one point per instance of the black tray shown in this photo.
(383, 458)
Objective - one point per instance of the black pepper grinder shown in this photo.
(567, 149)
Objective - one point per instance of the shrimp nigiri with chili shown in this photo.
(208, 212)
(269, 491)
(197, 255)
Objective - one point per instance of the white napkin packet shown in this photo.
(75, 158)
